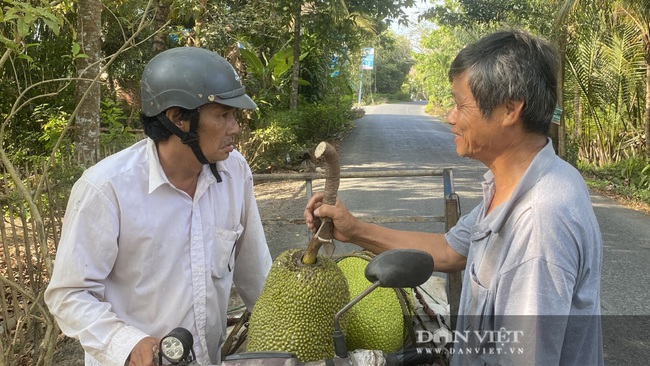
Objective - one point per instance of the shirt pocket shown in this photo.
(223, 260)
(478, 309)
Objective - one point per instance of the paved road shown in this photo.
(402, 136)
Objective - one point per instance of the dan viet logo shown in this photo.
(496, 342)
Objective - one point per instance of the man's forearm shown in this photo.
(378, 239)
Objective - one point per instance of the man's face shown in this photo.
(475, 136)
(217, 130)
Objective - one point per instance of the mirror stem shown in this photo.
(339, 338)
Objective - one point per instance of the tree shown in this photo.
(393, 63)
(438, 48)
(606, 80)
(37, 109)
(22, 24)
(297, 48)
(638, 13)
(160, 20)
(88, 93)
(493, 14)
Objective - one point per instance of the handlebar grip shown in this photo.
(411, 357)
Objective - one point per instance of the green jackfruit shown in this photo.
(295, 312)
(377, 321)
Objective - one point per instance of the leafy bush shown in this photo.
(53, 120)
(629, 178)
(312, 123)
(282, 135)
(268, 147)
(115, 132)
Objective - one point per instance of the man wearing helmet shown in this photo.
(155, 235)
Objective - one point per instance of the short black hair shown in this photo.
(157, 131)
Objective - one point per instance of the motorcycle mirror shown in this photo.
(400, 268)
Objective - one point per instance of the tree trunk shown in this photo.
(87, 93)
(162, 15)
(295, 69)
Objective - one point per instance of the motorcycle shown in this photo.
(399, 268)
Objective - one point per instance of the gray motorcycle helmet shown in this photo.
(190, 77)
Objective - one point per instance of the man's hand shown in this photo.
(145, 353)
(345, 225)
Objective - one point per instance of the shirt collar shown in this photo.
(157, 175)
(538, 167)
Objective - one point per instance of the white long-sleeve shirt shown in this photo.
(139, 257)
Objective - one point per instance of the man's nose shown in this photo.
(234, 126)
(451, 116)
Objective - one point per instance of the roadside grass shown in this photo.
(627, 181)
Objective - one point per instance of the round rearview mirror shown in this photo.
(400, 268)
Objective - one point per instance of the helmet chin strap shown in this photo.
(190, 139)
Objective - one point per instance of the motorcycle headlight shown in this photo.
(176, 345)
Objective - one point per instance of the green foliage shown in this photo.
(317, 70)
(393, 63)
(34, 105)
(268, 147)
(429, 78)
(636, 173)
(53, 121)
(115, 132)
(25, 19)
(269, 76)
(312, 123)
(605, 84)
(284, 134)
(629, 178)
(490, 15)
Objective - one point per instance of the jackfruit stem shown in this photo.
(310, 254)
(332, 180)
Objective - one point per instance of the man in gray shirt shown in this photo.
(532, 249)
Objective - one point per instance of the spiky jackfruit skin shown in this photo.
(376, 322)
(295, 312)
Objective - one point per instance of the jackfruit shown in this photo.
(376, 322)
(303, 291)
(295, 312)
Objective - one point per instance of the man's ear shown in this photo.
(514, 109)
(174, 115)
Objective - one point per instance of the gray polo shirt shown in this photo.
(531, 288)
